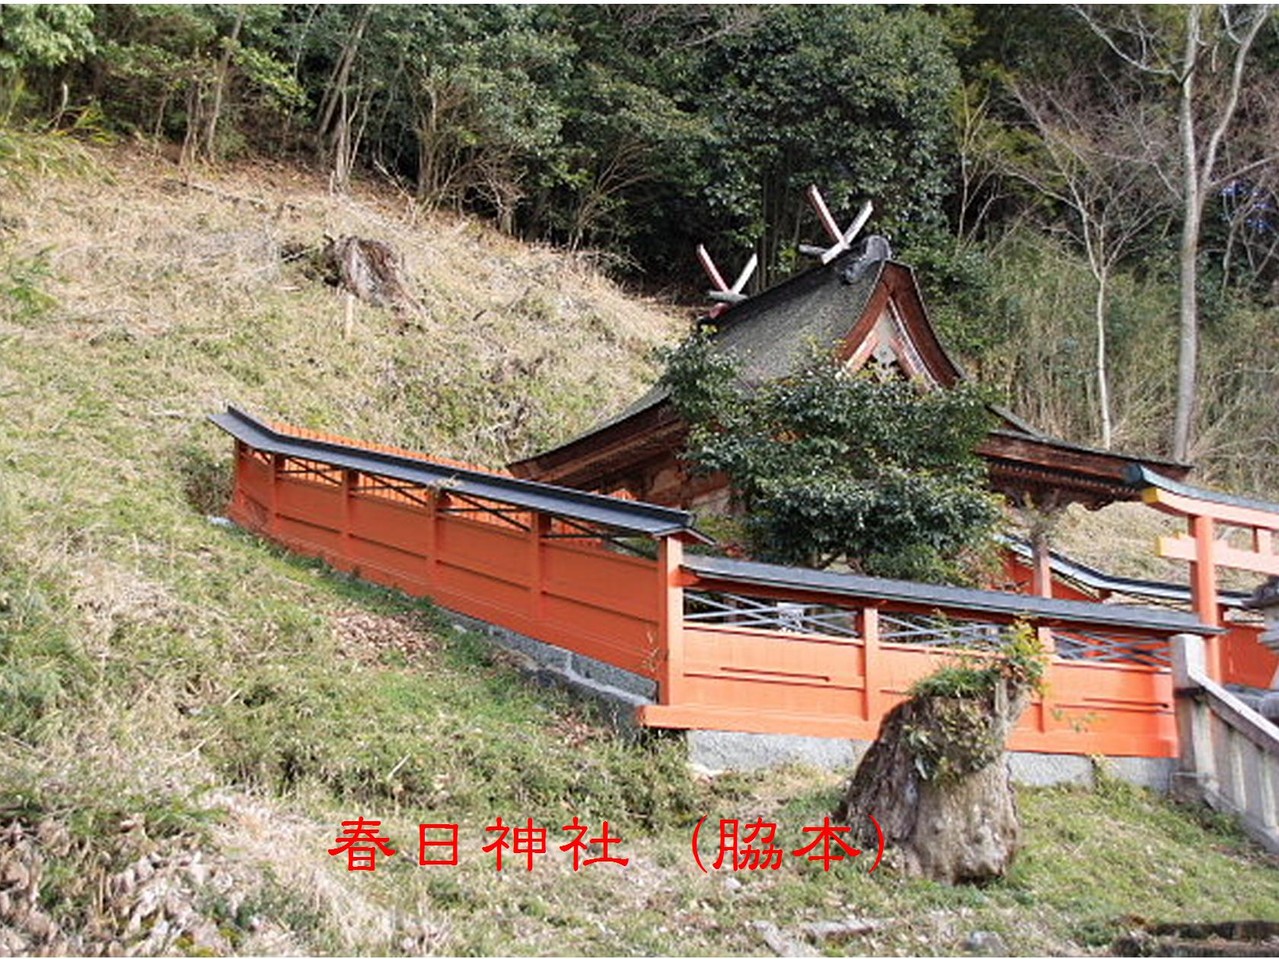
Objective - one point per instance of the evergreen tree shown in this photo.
(831, 467)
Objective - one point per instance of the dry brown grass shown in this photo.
(133, 621)
(516, 346)
(1120, 539)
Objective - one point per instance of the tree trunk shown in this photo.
(219, 88)
(195, 113)
(336, 119)
(1103, 387)
(1199, 178)
(1192, 205)
(936, 781)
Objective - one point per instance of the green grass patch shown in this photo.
(455, 733)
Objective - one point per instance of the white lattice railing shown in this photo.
(1100, 647)
(1229, 752)
(731, 609)
(916, 629)
(921, 629)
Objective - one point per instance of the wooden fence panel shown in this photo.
(1244, 660)
(628, 611)
(1110, 709)
(740, 668)
(623, 641)
(400, 526)
(482, 553)
(387, 565)
(596, 577)
(584, 598)
(471, 592)
(774, 682)
(309, 503)
(253, 476)
(308, 516)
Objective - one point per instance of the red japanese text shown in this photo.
(360, 841)
(753, 846)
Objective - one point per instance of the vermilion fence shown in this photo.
(835, 652)
(1240, 657)
(524, 570)
(731, 645)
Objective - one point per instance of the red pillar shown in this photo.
(670, 613)
(1203, 588)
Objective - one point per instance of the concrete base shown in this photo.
(710, 750)
(620, 692)
(713, 750)
(716, 751)
(1053, 769)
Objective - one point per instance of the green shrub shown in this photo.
(831, 467)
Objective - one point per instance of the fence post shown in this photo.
(872, 663)
(1189, 661)
(538, 527)
(345, 560)
(273, 497)
(238, 490)
(1268, 779)
(670, 621)
(432, 539)
(1041, 705)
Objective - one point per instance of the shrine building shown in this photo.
(866, 307)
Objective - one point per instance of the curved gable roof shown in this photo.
(832, 307)
(844, 305)
(771, 334)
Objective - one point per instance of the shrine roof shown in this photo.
(837, 305)
(820, 303)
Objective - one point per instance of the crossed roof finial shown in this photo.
(724, 293)
(842, 239)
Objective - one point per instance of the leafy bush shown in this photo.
(958, 730)
(836, 467)
(1021, 661)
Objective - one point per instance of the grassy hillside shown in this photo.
(188, 714)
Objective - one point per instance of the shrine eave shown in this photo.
(1048, 472)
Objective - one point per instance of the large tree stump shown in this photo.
(368, 269)
(937, 782)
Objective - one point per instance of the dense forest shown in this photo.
(1088, 194)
